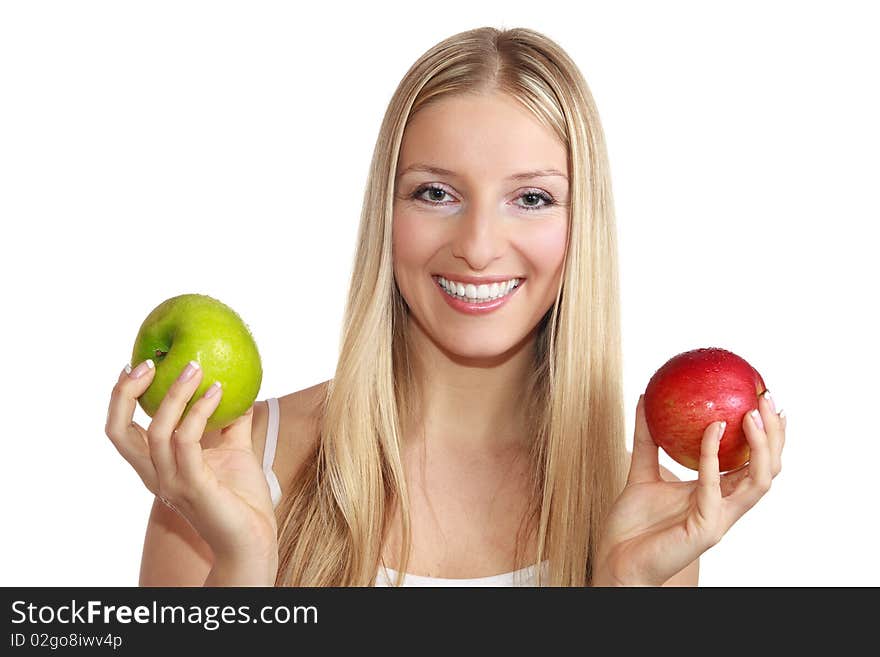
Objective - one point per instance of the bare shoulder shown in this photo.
(299, 417)
(665, 473)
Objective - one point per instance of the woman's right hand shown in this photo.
(221, 490)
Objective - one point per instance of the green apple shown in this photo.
(200, 328)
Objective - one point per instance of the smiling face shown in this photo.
(473, 220)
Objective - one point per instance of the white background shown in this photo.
(153, 149)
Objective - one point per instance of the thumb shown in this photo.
(645, 465)
(238, 434)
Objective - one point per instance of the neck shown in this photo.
(470, 406)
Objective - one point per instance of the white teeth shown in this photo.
(476, 293)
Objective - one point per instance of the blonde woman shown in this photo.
(473, 432)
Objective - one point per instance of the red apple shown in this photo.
(694, 389)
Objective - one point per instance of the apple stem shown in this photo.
(160, 354)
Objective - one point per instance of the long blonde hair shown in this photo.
(334, 516)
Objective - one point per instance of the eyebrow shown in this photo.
(537, 173)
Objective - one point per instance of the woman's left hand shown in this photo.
(656, 528)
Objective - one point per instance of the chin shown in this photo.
(476, 346)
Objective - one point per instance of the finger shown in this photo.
(752, 487)
(645, 464)
(784, 419)
(238, 434)
(760, 457)
(709, 477)
(167, 417)
(187, 438)
(129, 438)
(774, 427)
(731, 478)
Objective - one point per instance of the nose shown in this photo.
(479, 236)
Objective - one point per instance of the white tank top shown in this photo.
(387, 576)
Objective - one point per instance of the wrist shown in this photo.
(242, 572)
(604, 579)
(610, 582)
(606, 576)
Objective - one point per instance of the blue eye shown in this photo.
(532, 193)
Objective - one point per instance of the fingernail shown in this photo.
(213, 390)
(756, 416)
(128, 368)
(770, 399)
(188, 371)
(141, 369)
(723, 426)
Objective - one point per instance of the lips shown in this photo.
(476, 280)
(475, 308)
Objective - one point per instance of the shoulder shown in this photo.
(298, 423)
(665, 473)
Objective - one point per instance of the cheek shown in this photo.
(412, 247)
(545, 248)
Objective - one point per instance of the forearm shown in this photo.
(173, 554)
(242, 573)
(611, 574)
(689, 576)
(604, 581)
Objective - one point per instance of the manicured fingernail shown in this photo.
(770, 399)
(756, 416)
(141, 369)
(722, 426)
(128, 368)
(213, 390)
(188, 371)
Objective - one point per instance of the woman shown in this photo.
(474, 425)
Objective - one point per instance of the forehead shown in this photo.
(487, 134)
